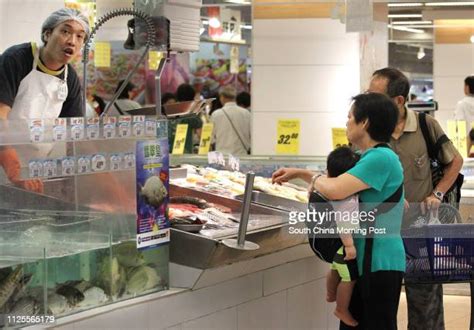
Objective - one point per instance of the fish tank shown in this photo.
(90, 236)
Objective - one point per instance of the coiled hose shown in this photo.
(85, 55)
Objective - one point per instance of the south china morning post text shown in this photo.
(317, 223)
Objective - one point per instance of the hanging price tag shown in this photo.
(77, 128)
(153, 59)
(288, 136)
(36, 130)
(102, 55)
(180, 139)
(59, 129)
(206, 134)
(462, 138)
(339, 137)
(452, 132)
(92, 128)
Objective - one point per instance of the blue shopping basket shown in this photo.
(439, 253)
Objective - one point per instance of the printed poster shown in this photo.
(152, 172)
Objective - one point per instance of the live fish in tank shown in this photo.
(111, 276)
(57, 304)
(154, 191)
(72, 294)
(128, 255)
(93, 296)
(10, 284)
(141, 279)
(26, 306)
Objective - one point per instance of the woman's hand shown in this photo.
(351, 252)
(285, 174)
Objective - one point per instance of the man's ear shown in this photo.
(399, 100)
(46, 35)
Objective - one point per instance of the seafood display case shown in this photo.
(73, 246)
(205, 211)
(268, 224)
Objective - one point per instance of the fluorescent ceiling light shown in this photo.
(407, 4)
(406, 29)
(240, 2)
(450, 3)
(246, 27)
(214, 22)
(412, 22)
(405, 16)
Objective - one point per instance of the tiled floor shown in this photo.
(457, 310)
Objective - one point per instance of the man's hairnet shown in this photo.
(62, 15)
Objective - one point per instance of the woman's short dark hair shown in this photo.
(471, 135)
(128, 88)
(381, 113)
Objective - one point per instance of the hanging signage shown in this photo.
(154, 58)
(339, 137)
(152, 174)
(102, 55)
(180, 139)
(457, 133)
(288, 136)
(206, 133)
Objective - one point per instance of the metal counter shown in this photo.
(199, 251)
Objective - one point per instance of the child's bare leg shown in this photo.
(332, 280)
(343, 299)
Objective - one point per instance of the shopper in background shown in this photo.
(465, 107)
(185, 93)
(243, 100)
(125, 101)
(231, 132)
(424, 301)
(168, 98)
(198, 85)
(39, 82)
(376, 177)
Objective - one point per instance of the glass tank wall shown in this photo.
(73, 246)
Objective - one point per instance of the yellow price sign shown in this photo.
(206, 133)
(462, 138)
(452, 132)
(457, 133)
(180, 139)
(102, 54)
(288, 136)
(154, 58)
(339, 137)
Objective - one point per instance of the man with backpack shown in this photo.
(425, 301)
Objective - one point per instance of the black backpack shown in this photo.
(453, 195)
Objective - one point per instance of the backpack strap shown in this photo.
(384, 207)
(433, 148)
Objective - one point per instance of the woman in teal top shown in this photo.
(377, 176)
